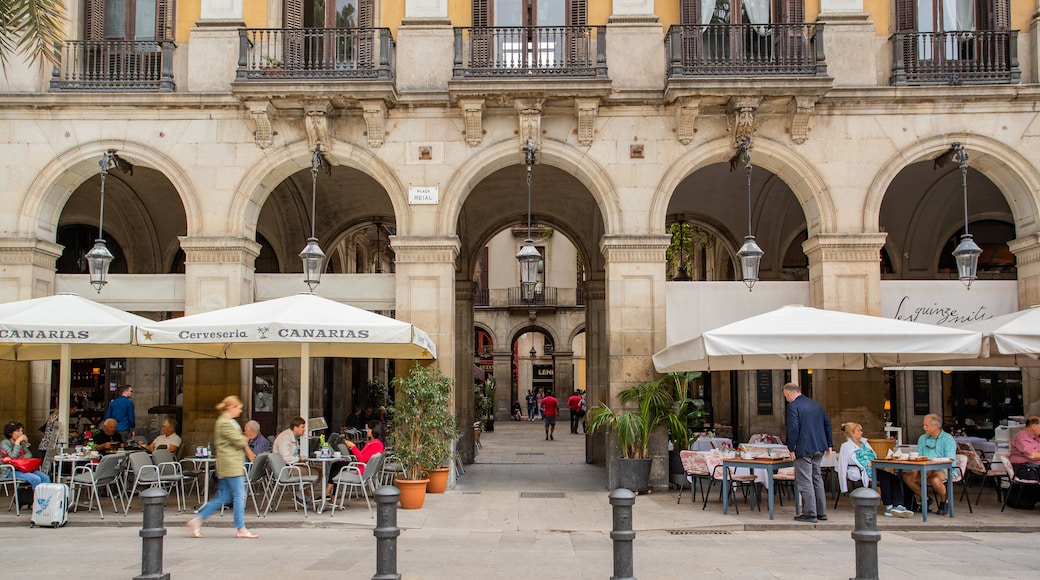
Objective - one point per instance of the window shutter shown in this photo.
(577, 13)
(293, 14)
(365, 30)
(689, 12)
(479, 40)
(292, 51)
(164, 10)
(992, 15)
(94, 24)
(578, 41)
(789, 11)
(481, 15)
(793, 41)
(906, 15)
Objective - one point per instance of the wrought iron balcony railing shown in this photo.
(114, 66)
(530, 51)
(545, 296)
(774, 49)
(982, 57)
(481, 297)
(315, 54)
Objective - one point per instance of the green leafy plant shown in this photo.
(377, 392)
(424, 422)
(484, 399)
(270, 61)
(664, 401)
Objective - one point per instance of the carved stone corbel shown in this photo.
(317, 123)
(262, 113)
(586, 110)
(473, 116)
(530, 111)
(800, 111)
(742, 112)
(375, 119)
(686, 111)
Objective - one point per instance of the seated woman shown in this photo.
(169, 437)
(16, 446)
(517, 413)
(854, 465)
(373, 445)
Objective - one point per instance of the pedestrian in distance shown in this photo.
(231, 445)
(532, 401)
(550, 406)
(809, 437)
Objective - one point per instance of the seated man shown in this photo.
(1025, 459)
(168, 437)
(934, 443)
(287, 444)
(257, 442)
(108, 440)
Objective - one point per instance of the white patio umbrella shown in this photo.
(816, 338)
(66, 326)
(298, 326)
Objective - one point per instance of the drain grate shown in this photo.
(937, 537)
(530, 453)
(542, 495)
(471, 493)
(699, 532)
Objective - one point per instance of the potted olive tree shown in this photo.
(424, 429)
(645, 407)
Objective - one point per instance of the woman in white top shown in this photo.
(854, 461)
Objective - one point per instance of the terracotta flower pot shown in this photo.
(438, 480)
(413, 492)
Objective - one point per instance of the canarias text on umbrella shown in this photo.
(321, 333)
(46, 334)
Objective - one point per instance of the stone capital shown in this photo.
(425, 249)
(844, 247)
(1026, 249)
(635, 248)
(219, 250)
(29, 251)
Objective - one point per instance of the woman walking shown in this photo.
(231, 456)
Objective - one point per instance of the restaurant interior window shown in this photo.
(981, 400)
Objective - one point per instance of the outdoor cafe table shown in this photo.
(325, 463)
(923, 467)
(767, 464)
(58, 463)
(204, 463)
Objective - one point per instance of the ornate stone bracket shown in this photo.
(375, 119)
(317, 123)
(800, 111)
(686, 110)
(742, 112)
(262, 113)
(586, 110)
(530, 111)
(473, 116)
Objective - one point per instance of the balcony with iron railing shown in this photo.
(544, 296)
(773, 49)
(114, 66)
(977, 57)
(321, 54)
(530, 51)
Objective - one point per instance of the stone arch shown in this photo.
(276, 166)
(528, 326)
(578, 329)
(1014, 176)
(592, 175)
(796, 172)
(55, 183)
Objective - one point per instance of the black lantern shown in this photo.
(967, 251)
(312, 256)
(99, 258)
(528, 255)
(750, 254)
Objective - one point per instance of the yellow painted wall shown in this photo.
(668, 10)
(254, 13)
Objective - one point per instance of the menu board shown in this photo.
(764, 388)
(921, 405)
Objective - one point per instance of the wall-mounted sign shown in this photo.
(764, 389)
(543, 371)
(921, 393)
(427, 195)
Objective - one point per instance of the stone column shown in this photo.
(425, 294)
(596, 362)
(1027, 259)
(465, 411)
(635, 297)
(633, 39)
(563, 374)
(845, 274)
(852, 61)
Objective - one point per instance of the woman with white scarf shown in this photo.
(854, 461)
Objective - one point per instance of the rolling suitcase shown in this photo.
(50, 506)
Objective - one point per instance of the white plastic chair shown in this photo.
(351, 478)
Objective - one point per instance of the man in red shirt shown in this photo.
(574, 402)
(549, 407)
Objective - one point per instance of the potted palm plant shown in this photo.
(424, 429)
(484, 401)
(645, 407)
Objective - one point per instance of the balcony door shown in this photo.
(126, 36)
(332, 33)
(740, 30)
(947, 26)
(519, 43)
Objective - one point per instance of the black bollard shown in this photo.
(386, 533)
(865, 501)
(152, 532)
(622, 501)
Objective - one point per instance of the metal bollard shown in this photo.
(865, 501)
(622, 501)
(152, 532)
(386, 533)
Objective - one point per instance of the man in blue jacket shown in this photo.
(122, 410)
(808, 437)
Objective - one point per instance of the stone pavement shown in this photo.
(534, 508)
